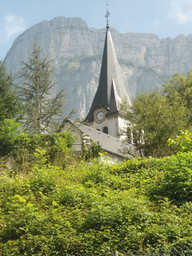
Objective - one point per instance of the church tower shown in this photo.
(104, 114)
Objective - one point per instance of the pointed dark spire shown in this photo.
(111, 88)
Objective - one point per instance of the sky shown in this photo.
(165, 18)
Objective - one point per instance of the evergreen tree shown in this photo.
(9, 102)
(43, 112)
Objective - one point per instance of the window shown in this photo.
(98, 130)
(105, 129)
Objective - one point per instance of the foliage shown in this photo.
(183, 87)
(177, 179)
(8, 136)
(158, 116)
(27, 149)
(43, 113)
(9, 102)
(92, 151)
(95, 208)
(183, 142)
(153, 119)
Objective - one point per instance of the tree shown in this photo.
(183, 87)
(43, 112)
(9, 102)
(153, 119)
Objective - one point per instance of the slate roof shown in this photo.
(111, 88)
(108, 143)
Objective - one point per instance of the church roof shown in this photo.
(111, 88)
(109, 143)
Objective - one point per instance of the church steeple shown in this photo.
(104, 114)
(111, 89)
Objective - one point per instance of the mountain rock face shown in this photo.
(145, 60)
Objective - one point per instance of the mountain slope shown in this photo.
(77, 50)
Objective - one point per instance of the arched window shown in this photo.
(98, 130)
(105, 129)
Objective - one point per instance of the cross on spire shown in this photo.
(107, 15)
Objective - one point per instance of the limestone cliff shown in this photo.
(77, 50)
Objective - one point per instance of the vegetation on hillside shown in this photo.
(155, 117)
(92, 207)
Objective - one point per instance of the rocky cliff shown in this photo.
(145, 60)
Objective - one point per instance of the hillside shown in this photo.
(77, 49)
(59, 205)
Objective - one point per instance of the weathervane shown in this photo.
(107, 15)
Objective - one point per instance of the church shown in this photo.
(104, 114)
(104, 120)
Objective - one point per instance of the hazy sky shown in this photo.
(165, 18)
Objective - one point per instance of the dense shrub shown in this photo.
(13, 141)
(176, 180)
(183, 142)
(9, 132)
(72, 207)
(96, 208)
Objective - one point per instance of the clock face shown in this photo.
(100, 115)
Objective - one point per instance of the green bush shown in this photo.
(96, 208)
(90, 152)
(176, 181)
(23, 147)
(183, 142)
(9, 132)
